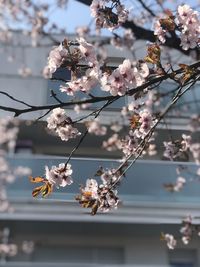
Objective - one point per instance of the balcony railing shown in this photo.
(143, 197)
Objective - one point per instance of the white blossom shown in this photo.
(171, 241)
(61, 124)
(56, 58)
(59, 176)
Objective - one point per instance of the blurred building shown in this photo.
(65, 234)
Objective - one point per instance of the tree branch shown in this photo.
(96, 99)
(144, 141)
(147, 8)
(144, 34)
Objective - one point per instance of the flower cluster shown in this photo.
(127, 76)
(129, 144)
(127, 40)
(56, 58)
(62, 125)
(141, 123)
(59, 176)
(110, 17)
(56, 176)
(10, 249)
(87, 51)
(194, 124)
(97, 197)
(187, 22)
(159, 31)
(195, 150)
(177, 148)
(84, 84)
(71, 56)
(164, 25)
(145, 123)
(186, 230)
(109, 176)
(177, 186)
(94, 127)
(171, 241)
(113, 143)
(8, 131)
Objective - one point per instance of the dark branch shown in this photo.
(148, 35)
(15, 99)
(146, 8)
(152, 81)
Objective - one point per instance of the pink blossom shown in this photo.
(59, 176)
(95, 127)
(171, 241)
(189, 22)
(56, 58)
(61, 124)
(87, 50)
(159, 31)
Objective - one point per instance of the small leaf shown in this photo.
(37, 191)
(95, 207)
(134, 121)
(183, 66)
(99, 172)
(44, 189)
(162, 236)
(36, 179)
(47, 189)
(153, 54)
(169, 187)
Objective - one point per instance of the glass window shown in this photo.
(183, 258)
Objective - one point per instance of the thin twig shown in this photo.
(86, 132)
(53, 94)
(130, 92)
(144, 142)
(15, 99)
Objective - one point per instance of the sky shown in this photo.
(78, 14)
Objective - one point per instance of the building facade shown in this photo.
(65, 234)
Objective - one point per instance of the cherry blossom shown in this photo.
(189, 22)
(159, 31)
(56, 58)
(87, 50)
(186, 230)
(91, 188)
(136, 81)
(98, 197)
(127, 40)
(106, 16)
(62, 125)
(129, 144)
(59, 176)
(146, 122)
(113, 143)
(127, 76)
(171, 241)
(84, 84)
(94, 127)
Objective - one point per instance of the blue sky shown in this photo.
(78, 14)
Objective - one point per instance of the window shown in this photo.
(183, 258)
